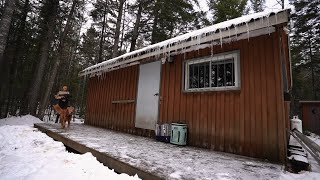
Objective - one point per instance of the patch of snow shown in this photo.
(299, 158)
(26, 153)
(315, 167)
(303, 175)
(315, 138)
(176, 175)
(20, 120)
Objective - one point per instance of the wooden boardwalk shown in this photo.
(130, 154)
(104, 158)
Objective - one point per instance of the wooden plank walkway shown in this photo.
(130, 154)
(104, 158)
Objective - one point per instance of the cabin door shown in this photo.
(147, 109)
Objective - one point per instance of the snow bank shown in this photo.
(23, 120)
(315, 138)
(304, 175)
(26, 153)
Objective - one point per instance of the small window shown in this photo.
(219, 72)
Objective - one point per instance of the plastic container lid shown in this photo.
(178, 124)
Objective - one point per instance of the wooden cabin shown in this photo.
(228, 82)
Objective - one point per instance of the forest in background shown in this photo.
(43, 46)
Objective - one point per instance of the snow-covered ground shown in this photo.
(314, 165)
(174, 162)
(315, 138)
(26, 153)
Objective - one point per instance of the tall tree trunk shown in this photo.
(115, 49)
(154, 38)
(122, 29)
(136, 28)
(312, 70)
(5, 22)
(5, 26)
(55, 68)
(44, 53)
(102, 32)
(14, 68)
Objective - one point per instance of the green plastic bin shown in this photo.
(179, 134)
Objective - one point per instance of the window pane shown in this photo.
(199, 75)
(214, 75)
(230, 74)
(221, 73)
(194, 76)
(204, 75)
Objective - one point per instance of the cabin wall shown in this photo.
(250, 121)
(113, 86)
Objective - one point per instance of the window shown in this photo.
(218, 72)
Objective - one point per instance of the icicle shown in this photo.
(235, 28)
(247, 30)
(229, 34)
(268, 25)
(211, 48)
(220, 37)
(198, 43)
(169, 51)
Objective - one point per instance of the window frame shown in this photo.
(235, 55)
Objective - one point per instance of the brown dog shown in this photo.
(65, 114)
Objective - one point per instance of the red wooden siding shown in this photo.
(113, 86)
(250, 121)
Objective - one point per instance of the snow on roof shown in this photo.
(208, 34)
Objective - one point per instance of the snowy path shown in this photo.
(26, 153)
(173, 162)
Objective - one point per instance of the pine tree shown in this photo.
(224, 10)
(49, 14)
(89, 49)
(137, 25)
(306, 43)
(115, 48)
(170, 18)
(58, 58)
(21, 56)
(257, 5)
(5, 25)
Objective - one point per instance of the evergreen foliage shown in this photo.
(224, 10)
(305, 50)
(257, 5)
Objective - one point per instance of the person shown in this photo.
(63, 99)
